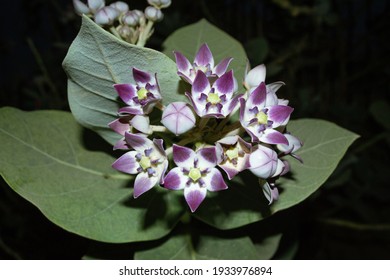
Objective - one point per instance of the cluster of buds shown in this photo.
(132, 26)
(208, 140)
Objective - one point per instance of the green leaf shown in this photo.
(43, 159)
(183, 247)
(243, 203)
(188, 39)
(95, 61)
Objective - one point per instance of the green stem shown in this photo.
(158, 128)
(203, 122)
(115, 32)
(145, 34)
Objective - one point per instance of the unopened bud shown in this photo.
(95, 5)
(141, 16)
(106, 15)
(153, 14)
(160, 3)
(80, 7)
(122, 7)
(130, 18)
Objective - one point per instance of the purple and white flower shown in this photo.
(195, 173)
(255, 77)
(233, 153)
(203, 61)
(260, 117)
(148, 160)
(178, 117)
(140, 97)
(213, 100)
(294, 144)
(264, 162)
(131, 124)
(91, 7)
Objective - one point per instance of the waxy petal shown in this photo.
(121, 144)
(130, 110)
(225, 84)
(127, 163)
(143, 182)
(142, 77)
(120, 125)
(221, 68)
(200, 85)
(183, 156)
(126, 92)
(178, 118)
(273, 87)
(204, 57)
(270, 193)
(207, 157)
(194, 196)
(271, 136)
(279, 114)
(141, 123)
(183, 65)
(138, 142)
(255, 77)
(258, 96)
(214, 181)
(175, 179)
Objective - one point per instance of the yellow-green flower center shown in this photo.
(262, 118)
(213, 98)
(232, 153)
(142, 93)
(195, 174)
(145, 162)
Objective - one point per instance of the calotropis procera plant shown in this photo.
(197, 136)
(205, 135)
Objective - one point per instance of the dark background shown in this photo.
(333, 57)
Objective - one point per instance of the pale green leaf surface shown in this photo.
(243, 203)
(43, 160)
(188, 39)
(96, 61)
(182, 247)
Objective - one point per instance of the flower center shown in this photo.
(262, 118)
(232, 153)
(142, 93)
(145, 162)
(195, 174)
(213, 98)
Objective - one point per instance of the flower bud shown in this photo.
(294, 144)
(95, 5)
(80, 7)
(160, 3)
(141, 16)
(130, 18)
(264, 163)
(178, 118)
(106, 15)
(153, 14)
(122, 7)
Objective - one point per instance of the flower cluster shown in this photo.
(208, 140)
(132, 26)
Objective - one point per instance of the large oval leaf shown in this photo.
(324, 145)
(95, 61)
(182, 247)
(43, 159)
(188, 39)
